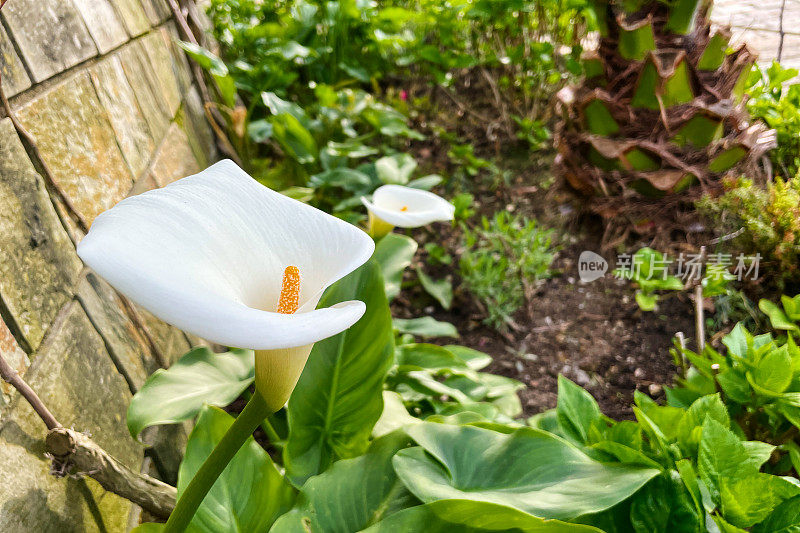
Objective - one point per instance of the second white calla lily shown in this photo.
(225, 258)
(405, 207)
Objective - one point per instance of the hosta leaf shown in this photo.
(394, 253)
(441, 290)
(469, 516)
(353, 494)
(530, 470)
(425, 327)
(249, 495)
(338, 397)
(199, 377)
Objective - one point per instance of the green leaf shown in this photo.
(646, 302)
(347, 178)
(777, 317)
(747, 501)
(774, 371)
(722, 458)
(690, 427)
(426, 183)
(441, 290)
(530, 470)
(785, 518)
(394, 253)
(427, 356)
(353, 494)
(394, 415)
(216, 67)
(665, 505)
(199, 377)
(473, 358)
(576, 410)
(249, 495)
(426, 327)
(395, 169)
(294, 138)
(469, 516)
(338, 397)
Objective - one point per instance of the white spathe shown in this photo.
(407, 207)
(207, 254)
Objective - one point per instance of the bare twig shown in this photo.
(699, 311)
(74, 453)
(781, 31)
(13, 378)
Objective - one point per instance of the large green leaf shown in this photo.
(469, 516)
(199, 377)
(394, 253)
(353, 494)
(528, 469)
(338, 397)
(425, 327)
(248, 496)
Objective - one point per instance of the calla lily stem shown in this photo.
(248, 420)
(266, 425)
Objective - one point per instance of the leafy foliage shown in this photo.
(649, 271)
(502, 259)
(778, 104)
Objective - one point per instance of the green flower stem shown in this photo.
(253, 414)
(266, 425)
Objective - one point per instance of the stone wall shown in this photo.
(108, 98)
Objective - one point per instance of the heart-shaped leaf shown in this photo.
(530, 470)
(469, 516)
(199, 377)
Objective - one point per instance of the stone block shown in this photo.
(145, 87)
(15, 79)
(124, 342)
(133, 16)
(14, 356)
(180, 63)
(157, 11)
(160, 61)
(51, 35)
(78, 143)
(38, 264)
(129, 124)
(104, 25)
(200, 134)
(77, 380)
(143, 184)
(175, 158)
(170, 340)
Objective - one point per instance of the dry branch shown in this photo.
(75, 453)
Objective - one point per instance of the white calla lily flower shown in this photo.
(405, 207)
(223, 257)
